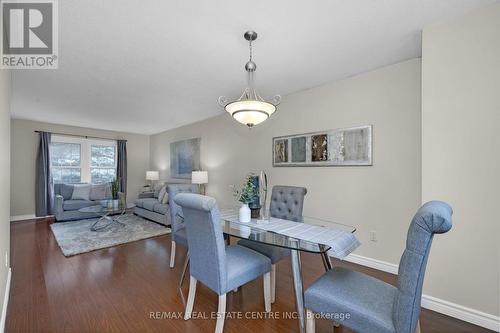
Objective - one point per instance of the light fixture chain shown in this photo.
(250, 50)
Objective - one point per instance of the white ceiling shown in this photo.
(152, 65)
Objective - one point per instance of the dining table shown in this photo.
(322, 237)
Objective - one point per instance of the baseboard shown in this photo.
(464, 313)
(25, 217)
(22, 217)
(373, 263)
(461, 312)
(5, 302)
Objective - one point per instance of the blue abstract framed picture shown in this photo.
(184, 158)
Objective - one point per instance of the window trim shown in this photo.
(85, 153)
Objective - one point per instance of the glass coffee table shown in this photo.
(109, 214)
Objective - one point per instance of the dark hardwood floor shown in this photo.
(130, 288)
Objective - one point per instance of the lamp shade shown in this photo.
(250, 112)
(152, 175)
(199, 177)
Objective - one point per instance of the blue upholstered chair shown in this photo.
(367, 304)
(178, 231)
(287, 203)
(219, 267)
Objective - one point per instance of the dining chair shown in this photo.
(366, 304)
(219, 267)
(287, 203)
(176, 217)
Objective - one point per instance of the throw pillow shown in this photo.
(81, 192)
(162, 194)
(66, 191)
(98, 191)
(165, 199)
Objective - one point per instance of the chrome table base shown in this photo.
(326, 261)
(298, 288)
(110, 220)
(184, 269)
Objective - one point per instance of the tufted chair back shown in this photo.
(287, 202)
(173, 190)
(207, 250)
(432, 218)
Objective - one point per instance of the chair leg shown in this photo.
(310, 322)
(418, 327)
(267, 291)
(273, 283)
(221, 314)
(190, 301)
(172, 255)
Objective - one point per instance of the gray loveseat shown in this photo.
(149, 206)
(67, 209)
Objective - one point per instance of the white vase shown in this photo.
(245, 213)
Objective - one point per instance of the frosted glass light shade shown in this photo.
(199, 177)
(152, 175)
(250, 112)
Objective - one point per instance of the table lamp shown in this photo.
(152, 176)
(200, 178)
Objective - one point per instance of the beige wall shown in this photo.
(5, 86)
(381, 197)
(24, 147)
(460, 154)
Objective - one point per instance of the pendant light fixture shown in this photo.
(250, 109)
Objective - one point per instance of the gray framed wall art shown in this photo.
(338, 147)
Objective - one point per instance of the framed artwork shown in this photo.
(319, 148)
(299, 151)
(338, 147)
(184, 158)
(281, 151)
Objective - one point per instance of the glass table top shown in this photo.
(105, 208)
(252, 232)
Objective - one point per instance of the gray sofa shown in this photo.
(148, 206)
(67, 209)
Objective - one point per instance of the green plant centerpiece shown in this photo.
(246, 195)
(247, 192)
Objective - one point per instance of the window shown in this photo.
(76, 160)
(66, 162)
(102, 163)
